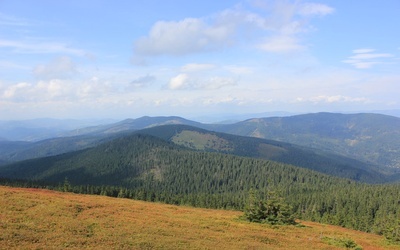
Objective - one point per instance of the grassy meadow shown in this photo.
(44, 219)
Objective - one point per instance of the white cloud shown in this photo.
(187, 36)
(42, 91)
(357, 51)
(310, 9)
(13, 90)
(189, 82)
(60, 67)
(180, 81)
(366, 58)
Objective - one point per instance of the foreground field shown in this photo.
(43, 219)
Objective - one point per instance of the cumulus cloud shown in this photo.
(60, 67)
(367, 58)
(180, 81)
(41, 91)
(182, 37)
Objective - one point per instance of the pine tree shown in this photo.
(272, 211)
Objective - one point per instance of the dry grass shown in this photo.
(43, 219)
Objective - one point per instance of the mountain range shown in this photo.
(347, 145)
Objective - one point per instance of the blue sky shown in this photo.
(120, 59)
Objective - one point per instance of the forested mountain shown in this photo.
(146, 167)
(372, 138)
(204, 140)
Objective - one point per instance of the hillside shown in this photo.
(372, 138)
(42, 219)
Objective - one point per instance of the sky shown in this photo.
(126, 59)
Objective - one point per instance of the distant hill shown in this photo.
(372, 138)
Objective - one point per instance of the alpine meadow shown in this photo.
(237, 124)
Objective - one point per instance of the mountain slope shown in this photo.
(370, 138)
(42, 219)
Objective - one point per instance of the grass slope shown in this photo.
(43, 219)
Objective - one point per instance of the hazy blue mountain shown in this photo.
(40, 129)
(134, 124)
